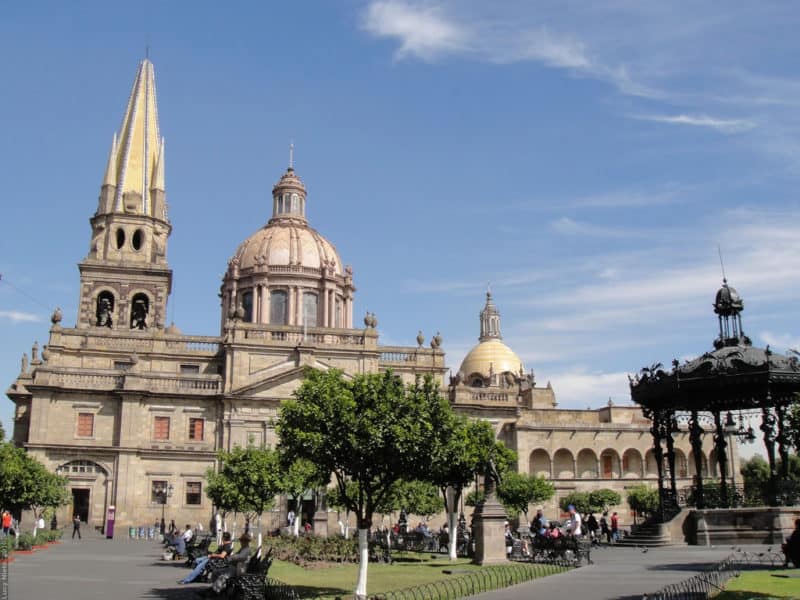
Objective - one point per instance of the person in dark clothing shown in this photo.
(76, 527)
(592, 526)
(792, 546)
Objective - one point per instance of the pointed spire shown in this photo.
(139, 147)
(158, 171)
(490, 320)
(111, 169)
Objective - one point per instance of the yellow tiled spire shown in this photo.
(137, 155)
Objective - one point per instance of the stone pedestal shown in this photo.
(321, 523)
(488, 527)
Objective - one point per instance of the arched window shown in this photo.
(247, 304)
(140, 308)
(105, 309)
(277, 307)
(310, 309)
(80, 466)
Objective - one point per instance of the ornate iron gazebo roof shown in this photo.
(735, 376)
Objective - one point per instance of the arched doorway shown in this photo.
(88, 485)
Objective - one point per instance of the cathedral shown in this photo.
(133, 411)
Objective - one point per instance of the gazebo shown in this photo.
(706, 393)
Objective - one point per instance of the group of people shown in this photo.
(235, 563)
(577, 526)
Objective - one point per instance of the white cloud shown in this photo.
(583, 388)
(780, 341)
(423, 32)
(16, 316)
(429, 32)
(721, 125)
(568, 226)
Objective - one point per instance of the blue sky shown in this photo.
(586, 158)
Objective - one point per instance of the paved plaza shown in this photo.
(96, 568)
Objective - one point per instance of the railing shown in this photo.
(484, 580)
(786, 494)
(176, 384)
(278, 590)
(488, 397)
(709, 583)
(81, 380)
(397, 357)
(297, 337)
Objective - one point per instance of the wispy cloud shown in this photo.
(721, 125)
(430, 32)
(780, 341)
(569, 226)
(423, 32)
(16, 316)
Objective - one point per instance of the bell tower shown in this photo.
(125, 278)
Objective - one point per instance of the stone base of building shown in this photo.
(756, 525)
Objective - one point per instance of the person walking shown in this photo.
(6, 522)
(615, 527)
(76, 526)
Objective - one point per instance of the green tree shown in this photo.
(26, 484)
(643, 500)
(462, 449)
(580, 500)
(418, 497)
(518, 490)
(247, 482)
(793, 425)
(371, 430)
(297, 477)
(601, 500)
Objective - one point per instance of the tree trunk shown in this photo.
(452, 528)
(296, 526)
(363, 555)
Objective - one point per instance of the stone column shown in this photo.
(489, 529)
(290, 301)
(320, 515)
(668, 426)
(658, 453)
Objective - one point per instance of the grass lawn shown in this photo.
(340, 580)
(761, 584)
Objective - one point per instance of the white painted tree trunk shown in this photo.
(363, 554)
(296, 527)
(452, 527)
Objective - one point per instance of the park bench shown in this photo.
(251, 585)
(197, 548)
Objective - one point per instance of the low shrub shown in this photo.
(25, 541)
(6, 546)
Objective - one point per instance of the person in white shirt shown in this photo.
(188, 534)
(574, 526)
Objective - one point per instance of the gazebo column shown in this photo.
(720, 447)
(696, 439)
(667, 424)
(659, 456)
(768, 423)
(783, 443)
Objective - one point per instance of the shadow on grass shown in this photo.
(697, 567)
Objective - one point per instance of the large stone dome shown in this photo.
(286, 273)
(285, 242)
(491, 357)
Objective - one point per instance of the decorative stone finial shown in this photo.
(436, 341)
(420, 339)
(35, 353)
(56, 317)
(23, 368)
(45, 353)
(370, 321)
(239, 312)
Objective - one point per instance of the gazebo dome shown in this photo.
(728, 302)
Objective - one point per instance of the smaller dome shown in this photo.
(491, 355)
(728, 302)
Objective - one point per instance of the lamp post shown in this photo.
(164, 492)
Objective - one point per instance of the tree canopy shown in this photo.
(518, 490)
(26, 484)
(247, 481)
(369, 431)
(643, 499)
(591, 502)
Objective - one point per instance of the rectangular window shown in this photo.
(122, 365)
(193, 492)
(196, 429)
(190, 369)
(158, 492)
(161, 428)
(85, 424)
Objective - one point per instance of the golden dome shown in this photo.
(491, 354)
